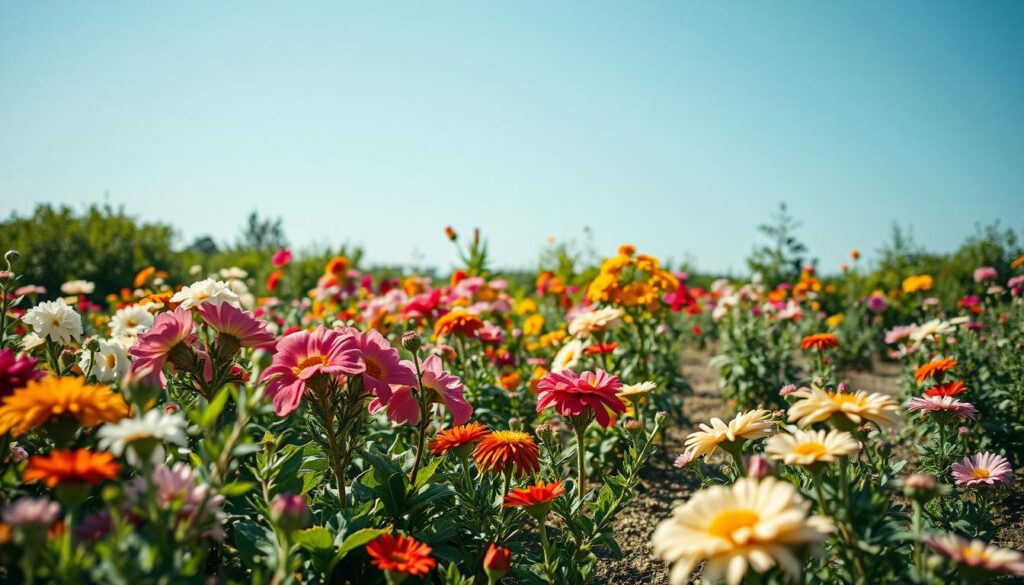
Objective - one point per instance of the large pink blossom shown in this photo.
(155, 345)
(227, 319)
(303, 355)
(447, 389)
(940, 404)
(16, 371)
(987, 468)
(385, 371)
(574, 394)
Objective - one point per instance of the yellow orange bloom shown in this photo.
(512, 451)
(818, 405)
(51, 398)
(916, 283)
(459, 322)
(819, 341)
(936, 369)
(143, 276)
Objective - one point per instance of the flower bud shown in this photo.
(412, 341)
(660, 417)
(683, 460)
(12, 256)
(843, 387)
(634, 426)
(545, 432)
(758, 467)
(172, 408)
(289, 511)
(497, 562)
(921, 487)
(18, 454)
(450, 232)
(787, 389)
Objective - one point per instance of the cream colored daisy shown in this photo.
(755, 524)
(746, 425)
(587, 323)
(817, 405)
(636, 391)
(810, 447)
(568, 356)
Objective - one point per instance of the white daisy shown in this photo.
(55, 320)
(78, 287)
(138, 438)
(233, 273)
(108, 364)
(130, 321)
(31, 341)
(205, 291)
(568, 356)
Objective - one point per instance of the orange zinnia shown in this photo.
(505, 451)
(81, 465)
(459, 439)
(536, 499)
(458, 321)
(955, 388)
(935, 369)
(52, 398)
(143, 276)
(402, 554)
(819, 341)
(600, 348)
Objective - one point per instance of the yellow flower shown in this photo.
(647, 263)
(533, 324)
(746, 425)
(553, 338)
(916, 283)
(810, 447)
(636, 294)
(588, 322)
(751, 524)
(603, 287)
(612, 266)
(834, 321)
(51, 398)
(627, 250)
(818, 405)
(525, 307)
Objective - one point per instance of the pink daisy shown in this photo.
(385, 370)
(937, 404)
(16, 371)
(977, 555)
(304, 355)
(404, 408)
(987, 468)
(574, 394)
(154, 346)
(234, 322)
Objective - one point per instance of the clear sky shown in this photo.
(677, 126)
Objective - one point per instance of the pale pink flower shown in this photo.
(938, 404)
(683, 460)
(181, 488)
(977, 555)
(985, 273)
(229, 320)
(987, 468)
(302, 356)
(27, 511)
(445, 388)
(899, 333)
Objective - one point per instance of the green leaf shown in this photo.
(352, 542)
(213, 410)
(236, 488)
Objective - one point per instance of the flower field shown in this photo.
(614, 421)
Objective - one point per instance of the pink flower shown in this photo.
(16, 371)
(1016, 284)
(937, 404)
(447, 389)
(155, 345)
(31, 512)
(575, 394)
(985, 273)
(987, 468)
(181, 489)
(422, 305)
(385, 370)
(229, 320)
(877, 303)
(899, 333)
(302, 356)
(282, 258)
(491, 333)
(683, 460)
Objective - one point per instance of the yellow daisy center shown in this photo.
(111, 361)
(727, 523)
(816, 449)
(310, 362)
(980, 473)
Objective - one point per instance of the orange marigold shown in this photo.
(143, 276)
(81, 465)
(506, 451)
(402, 554)
(819, 341)
(51, 398)
(458, 439)
(936, 369)
(458, 321)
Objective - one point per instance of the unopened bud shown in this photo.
(412, 341)
(660, 417)
(12, 256)
(18, 454)
(921, 487)
(843, 387)
(289, 511)
(172, 408)
(545, 432)
(450, 232)
(497, 562)
(758, 467)
(634, 426)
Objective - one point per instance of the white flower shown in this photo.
(634, 390)
(108, 364)
(139, 436)
(936, 327)
(568, 356)
(130, 321)
(810, 447)
(587, 323)
(31, 341)
(205, 291)
(246, 298)
(77, 287)
(55, 320)
(233, 273)
(195, 269)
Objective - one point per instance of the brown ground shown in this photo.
(663, 486)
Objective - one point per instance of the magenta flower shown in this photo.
(229, 320)
(302, 356)
(154, 346)
(987, 468)
(385, 370)
(282, 258)
(491, 333)
(877, 303)
(180, 488)
(16, 371)
(574, 394)
(446, 389)
(938, 404)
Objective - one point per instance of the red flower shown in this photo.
(273, 280)
(82, 465)
(402, 554)
(503, 451)
(497, 561)
(536, 499)
(954, 388)
(819, 341)
(16, 371)
(575, 394)
(600, 348)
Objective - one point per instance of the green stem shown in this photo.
(546, 545)
(580, 466)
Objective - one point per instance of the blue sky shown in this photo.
(677, 126)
